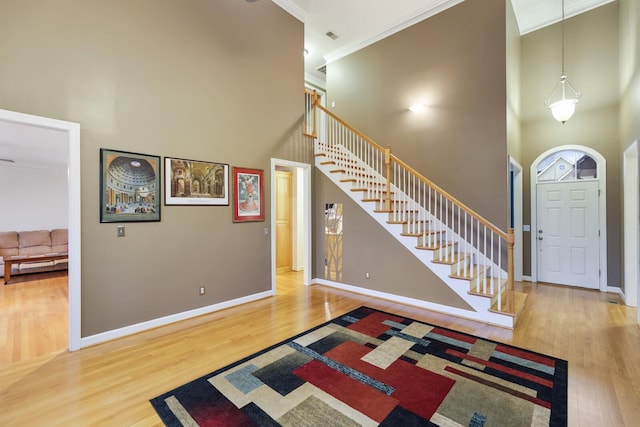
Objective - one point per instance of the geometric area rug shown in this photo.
(370, 368)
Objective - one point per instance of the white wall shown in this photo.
(32, 199)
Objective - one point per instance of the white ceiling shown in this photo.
(357, 23)
(32, 147)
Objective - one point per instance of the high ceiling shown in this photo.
(358, 23)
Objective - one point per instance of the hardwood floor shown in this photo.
(41, 384)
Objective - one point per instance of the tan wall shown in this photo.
(213, 80)
(591, 62)
(629, 71)
(367, 247)
(513, 84)
(455, 63)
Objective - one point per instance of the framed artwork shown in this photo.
(129, 186)
(248, 195)
(193, 182)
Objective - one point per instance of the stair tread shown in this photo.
(520, 299)
(502, 285)
(448, 261)
(417, 221)
(435, 247)
(469, 273)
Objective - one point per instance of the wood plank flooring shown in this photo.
(41, 384)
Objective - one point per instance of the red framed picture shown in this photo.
(248, 195)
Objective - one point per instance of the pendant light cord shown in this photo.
(562, 37)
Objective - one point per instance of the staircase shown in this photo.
(468, 253)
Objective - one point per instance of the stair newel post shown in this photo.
(387, 161)
(315, 99)
(511, 304)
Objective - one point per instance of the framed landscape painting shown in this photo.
(248, 195)
(197, 183)
(129, 186)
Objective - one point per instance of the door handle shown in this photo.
(539, 238)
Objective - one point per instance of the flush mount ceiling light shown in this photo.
(563, 98)
(417, 108)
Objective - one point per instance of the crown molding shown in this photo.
(295, 10)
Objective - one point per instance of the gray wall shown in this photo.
(368, 248)
(455, 63)
(629, 72)
(592, 64)
(213, 80)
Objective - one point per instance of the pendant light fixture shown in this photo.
(563, 98)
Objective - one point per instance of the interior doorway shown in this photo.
(567, 215)
(300, 221)
(13, 121)
(631, 218)
(515, 215)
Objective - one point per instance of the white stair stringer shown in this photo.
(480, 304)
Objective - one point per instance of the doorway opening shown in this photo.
(296, 227)
(568, 183)
(13, 121)
(515, 215)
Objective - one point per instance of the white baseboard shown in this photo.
(617, 290)
(526, 279)
(466, 314)
(163, 321)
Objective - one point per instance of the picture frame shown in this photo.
(195, 182)
(248, 194)
(129, 186)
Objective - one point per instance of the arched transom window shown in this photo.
(567, 165)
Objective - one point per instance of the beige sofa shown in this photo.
(30, 243)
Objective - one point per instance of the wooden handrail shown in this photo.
(352, 129)
(452, 199)
(386, 162)
(430, 183)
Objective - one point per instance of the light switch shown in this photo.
(120, 231)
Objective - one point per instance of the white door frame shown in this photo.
(631, 187)
(306, 217)
(72, 131)
(515, 167)
(602, 209)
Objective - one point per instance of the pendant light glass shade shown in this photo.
(563, 99)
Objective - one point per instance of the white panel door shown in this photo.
(567, 234)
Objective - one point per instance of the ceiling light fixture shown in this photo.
(562, 108)
(417, 108)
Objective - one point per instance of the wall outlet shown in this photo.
(202, 290)
(366, 275)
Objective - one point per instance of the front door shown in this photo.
(567, 234)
